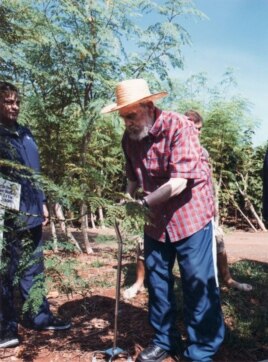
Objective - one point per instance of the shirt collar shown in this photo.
(158, 124)
(17, 130)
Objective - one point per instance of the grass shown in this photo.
(105, 239)
(246, 314)
(97, 264)
(104, 281)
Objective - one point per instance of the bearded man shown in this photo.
(163, 157)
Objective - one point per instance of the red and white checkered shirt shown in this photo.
(172, 149)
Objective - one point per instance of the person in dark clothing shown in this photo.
(22, 238)
(265, 187)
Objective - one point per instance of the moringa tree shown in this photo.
(67, 57)
(227, 135)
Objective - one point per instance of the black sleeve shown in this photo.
(265, 187)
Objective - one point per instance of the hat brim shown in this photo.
(114, 107)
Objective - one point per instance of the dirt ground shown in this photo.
(247, 245)
(92, 314)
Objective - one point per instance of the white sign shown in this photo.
(9, 194)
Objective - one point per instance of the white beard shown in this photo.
(138, 136)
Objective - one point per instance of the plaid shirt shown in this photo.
(172, 150)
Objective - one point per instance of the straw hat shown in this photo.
(130, 92)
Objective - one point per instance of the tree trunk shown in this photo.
(84, 227)
(249, 204)
(92, 220)
(101, 218)
(254, 213)
(54, 235)
(246, 218)
(73, 239)
(60, 216)
(53, 228)
(64, 226)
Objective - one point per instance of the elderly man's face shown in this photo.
(138, 121)
(9, 108)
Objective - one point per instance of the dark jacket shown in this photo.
(19, 147)
(265, 187)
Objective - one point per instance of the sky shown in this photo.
(234, 35)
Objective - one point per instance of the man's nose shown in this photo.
(16, 106)
(128, 122)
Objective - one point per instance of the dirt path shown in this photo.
(246, 245)
(239, 244)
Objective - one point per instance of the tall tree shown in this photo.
(67, 57)
(227, 135)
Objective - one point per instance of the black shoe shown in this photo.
(55, 324)
(9, 339)
(152, 353)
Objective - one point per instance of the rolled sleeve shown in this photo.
(185, 160)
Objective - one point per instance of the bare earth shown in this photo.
(247, 245)
(92, 314)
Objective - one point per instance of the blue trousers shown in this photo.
(28, 277)
(202, 310)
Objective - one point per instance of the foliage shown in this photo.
(36, 296)
(62, 275)
(227, 135)
(66, 57)
(97, 264)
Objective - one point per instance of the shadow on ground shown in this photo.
(92, 317)
(92, 329)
